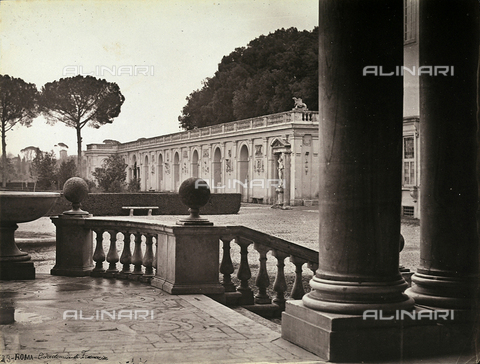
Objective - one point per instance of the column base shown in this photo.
(442, 291)
(354, 298)
(178, 289)
(351, 338)
(12, 271)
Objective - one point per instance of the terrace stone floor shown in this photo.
(72, 320)
(167, 329)
(174, 329)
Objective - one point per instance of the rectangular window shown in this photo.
(409, 21)
(408, 211)
(409, 161)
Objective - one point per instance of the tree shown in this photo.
(79, 101)
(112, 175)
(29, 153)
(66, 170)
(8, 170)
(18, 105)
(259, 79)
(44, 170)
(134, 185)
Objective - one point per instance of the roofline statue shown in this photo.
(299, 104)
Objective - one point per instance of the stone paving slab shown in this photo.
(50, 328)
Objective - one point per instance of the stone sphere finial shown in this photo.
(194, 192)
(75, 190)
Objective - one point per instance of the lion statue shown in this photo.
(299, 104)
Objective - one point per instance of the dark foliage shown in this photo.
(18, 105)
(44, 170)
(134, 185)
(110, 204)
(66, 170)
(259, 79)
(112, 175)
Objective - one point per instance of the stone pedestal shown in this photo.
(7, 315)
(353, 338)
(10, 271)
(74, 250)
(14, 264)
(188, 262)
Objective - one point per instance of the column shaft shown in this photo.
(448, 104)
(360, 133)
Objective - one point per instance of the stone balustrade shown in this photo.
(135, 250)
(180, 259)
(293, 116)
(124, 250)
(263, 243)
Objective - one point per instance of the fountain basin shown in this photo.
(17, 207)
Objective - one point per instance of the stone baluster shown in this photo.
(226, 267)
(297, 290)
(262, 281)
(137, 258)
(147, 260)
(155, 251)
(112, 255)
(126, 257)
(244, 273)
(98, 255)
(280, 285)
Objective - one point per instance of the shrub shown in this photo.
(134, 185)
(112, 175)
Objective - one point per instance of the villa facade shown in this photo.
(252, 157)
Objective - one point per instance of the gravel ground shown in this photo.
(299, 225)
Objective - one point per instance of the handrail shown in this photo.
(277, 243)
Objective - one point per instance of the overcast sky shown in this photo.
(178, 44)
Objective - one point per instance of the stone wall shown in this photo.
(110, 204)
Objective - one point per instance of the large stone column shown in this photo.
(360, 137)
(360, 133)
(449, 252)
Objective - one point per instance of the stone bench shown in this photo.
(257, 199)
(132, 208)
